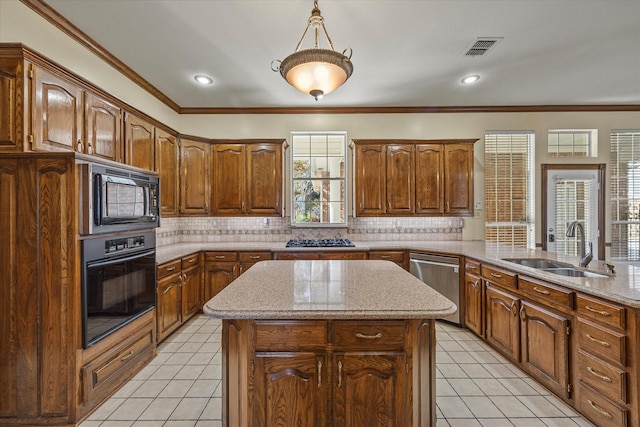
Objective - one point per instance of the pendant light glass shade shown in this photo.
(316, 71)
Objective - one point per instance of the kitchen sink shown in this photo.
(573, 272)
(540, 263)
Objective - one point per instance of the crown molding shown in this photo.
(64, 25)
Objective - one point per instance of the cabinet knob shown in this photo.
(89, 149)
(79, 146)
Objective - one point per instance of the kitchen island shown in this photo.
(315, 343)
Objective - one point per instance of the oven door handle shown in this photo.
(103, 263)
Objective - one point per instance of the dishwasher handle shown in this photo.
(441, 264)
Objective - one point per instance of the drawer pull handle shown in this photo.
(497, 276)
(597, 408)
(541, 291)
(254, 257)
(602, 343)
(593, 310)
(597, 374)
(128, 356)
(171, 268)
(470, 267)
(192, 260)
(220, 257)
(369, 337)
(385, 256)
(339, 374)
(319, 373)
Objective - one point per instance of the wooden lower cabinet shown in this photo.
(545, 347)
(179, 293)
(314, 255)
(502, 322)
(220, 269)
(474, 298)
(356, 373)
(399, 257)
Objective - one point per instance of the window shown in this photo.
(625, 195)
(572, 143)
(318, 173)
(509, 188)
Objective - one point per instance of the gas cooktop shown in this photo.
(319, 243)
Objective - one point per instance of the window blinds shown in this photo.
(509, 188)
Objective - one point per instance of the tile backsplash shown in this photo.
(273, 229)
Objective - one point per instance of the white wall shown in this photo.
(19, 24)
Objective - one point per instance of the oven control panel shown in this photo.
(123, 244)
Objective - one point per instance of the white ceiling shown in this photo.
(405, 52)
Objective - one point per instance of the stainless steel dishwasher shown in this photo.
(442, 273)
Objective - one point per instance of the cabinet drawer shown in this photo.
(395, 256)
(103, 375)
(600, 410)
(254, 256)
(602, 342)
(546, 293)
(373, 335)
(498, 276)
(343, 255)
(472, 267)
(601, 311)
(288, 335)
(169, 268)
(190, 261)
(607, 379)
(220, 256)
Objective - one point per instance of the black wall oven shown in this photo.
(118, 282)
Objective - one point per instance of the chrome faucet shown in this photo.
(585, 258)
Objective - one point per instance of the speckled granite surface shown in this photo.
(328, 289)
(624, 287)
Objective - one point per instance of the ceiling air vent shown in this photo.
(481, 46)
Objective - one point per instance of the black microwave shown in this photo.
(116, 199)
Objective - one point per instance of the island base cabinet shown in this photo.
(317, 375)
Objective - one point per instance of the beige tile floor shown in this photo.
(475, 386)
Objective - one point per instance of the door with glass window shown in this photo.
(573, 194)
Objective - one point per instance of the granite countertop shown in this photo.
(624, 287)
(334, 289)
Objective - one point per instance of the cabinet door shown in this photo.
(169, 305)
(400, 179)
(458, 169)
(264, 179)
(58, 111)
(371, 182)
(191, 292)
(11, 104)
(474, 303)
(291, 390)
(228, 179)
(167, 168)
(139, 142)
(370, 390)
(502, 322)
(545, 347)
(217, 275)
(103, 128)
(430, 179)
(195, 177)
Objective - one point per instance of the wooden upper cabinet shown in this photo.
(139, 142)
(400, 179)
(103, 131)
(229, 164)
(167, 167)
(247, 178)
(264, 179)
(429, 179)
(371, 181)
(57, 113)
(11, 97)
(194, 177)
(458, 168)
(413, 177)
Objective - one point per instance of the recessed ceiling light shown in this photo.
(468, 80)
(203, 80)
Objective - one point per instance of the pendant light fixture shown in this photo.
(315, 71)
